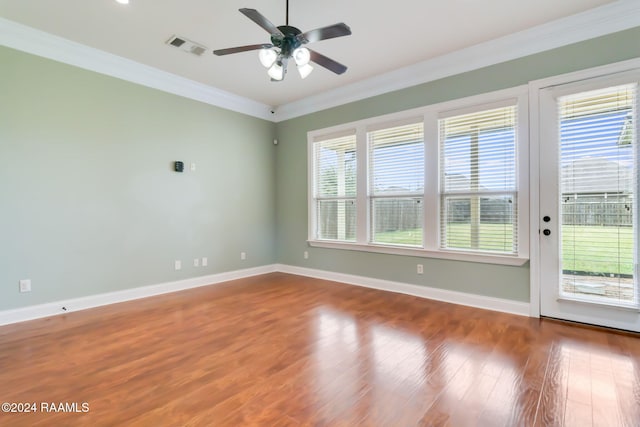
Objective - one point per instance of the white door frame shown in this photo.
(534, 162)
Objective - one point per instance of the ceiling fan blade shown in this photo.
(324, 33)
(230, 50)
(327, 63)
(259, 19)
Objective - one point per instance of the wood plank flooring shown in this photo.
(284, 350)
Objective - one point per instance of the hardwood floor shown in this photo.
(283, 350)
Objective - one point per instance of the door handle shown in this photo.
(546, 231)
(546, 218)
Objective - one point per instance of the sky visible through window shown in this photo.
(606, 136)
(390, 179)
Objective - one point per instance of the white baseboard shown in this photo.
(83, 303)
(91, 301)
(472, 300)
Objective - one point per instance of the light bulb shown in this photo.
(267, 57)
(302, 56)
(305, 70)
(276, 72)
(123, 1)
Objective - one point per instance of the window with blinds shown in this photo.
(598, 163)
(478, 181)
(396, 184)
(440, 181)
(334, 163)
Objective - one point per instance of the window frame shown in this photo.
(431, 202)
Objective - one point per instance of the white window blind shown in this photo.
(598, 185)
(396, 184)
(335, 188)
(439, 181)
(478, 185)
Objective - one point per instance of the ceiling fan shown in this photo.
(287, 42)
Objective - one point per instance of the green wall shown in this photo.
(291, 176)
(89, 201)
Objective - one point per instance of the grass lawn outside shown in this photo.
(599, 250)
(411, 236)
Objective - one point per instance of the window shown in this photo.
(396, 184)
(335, 188)
(597, 198)
(478, 192)
(444, 181)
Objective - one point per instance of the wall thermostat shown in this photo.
(178, 166)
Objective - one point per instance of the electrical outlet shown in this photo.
(205, 261)
(178, 264)
(193, 167)
(196, 262)
(243, 255)
(25, 285)
(420, 269)
(306, 254)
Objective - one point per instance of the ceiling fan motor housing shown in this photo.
(289, 42)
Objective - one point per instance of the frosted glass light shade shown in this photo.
(302, 56)
(305, 70)
(267, 57)
(276, 72)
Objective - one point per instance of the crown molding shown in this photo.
(607, 19)
(40, 43)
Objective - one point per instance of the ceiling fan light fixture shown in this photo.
(305, 70)
(286, 43)
(302, 56)
(276, 72)
(267, 57)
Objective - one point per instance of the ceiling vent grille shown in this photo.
(187, 45)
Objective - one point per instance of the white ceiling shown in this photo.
(387, 35)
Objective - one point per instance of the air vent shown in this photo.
(186, 45)
(176, 42)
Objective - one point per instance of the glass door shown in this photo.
(588, 187)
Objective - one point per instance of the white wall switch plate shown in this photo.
(243, 255)
(178, 264)
(196, 262)
(205, 261)
(420, 269)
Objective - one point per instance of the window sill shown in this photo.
(424, 253)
